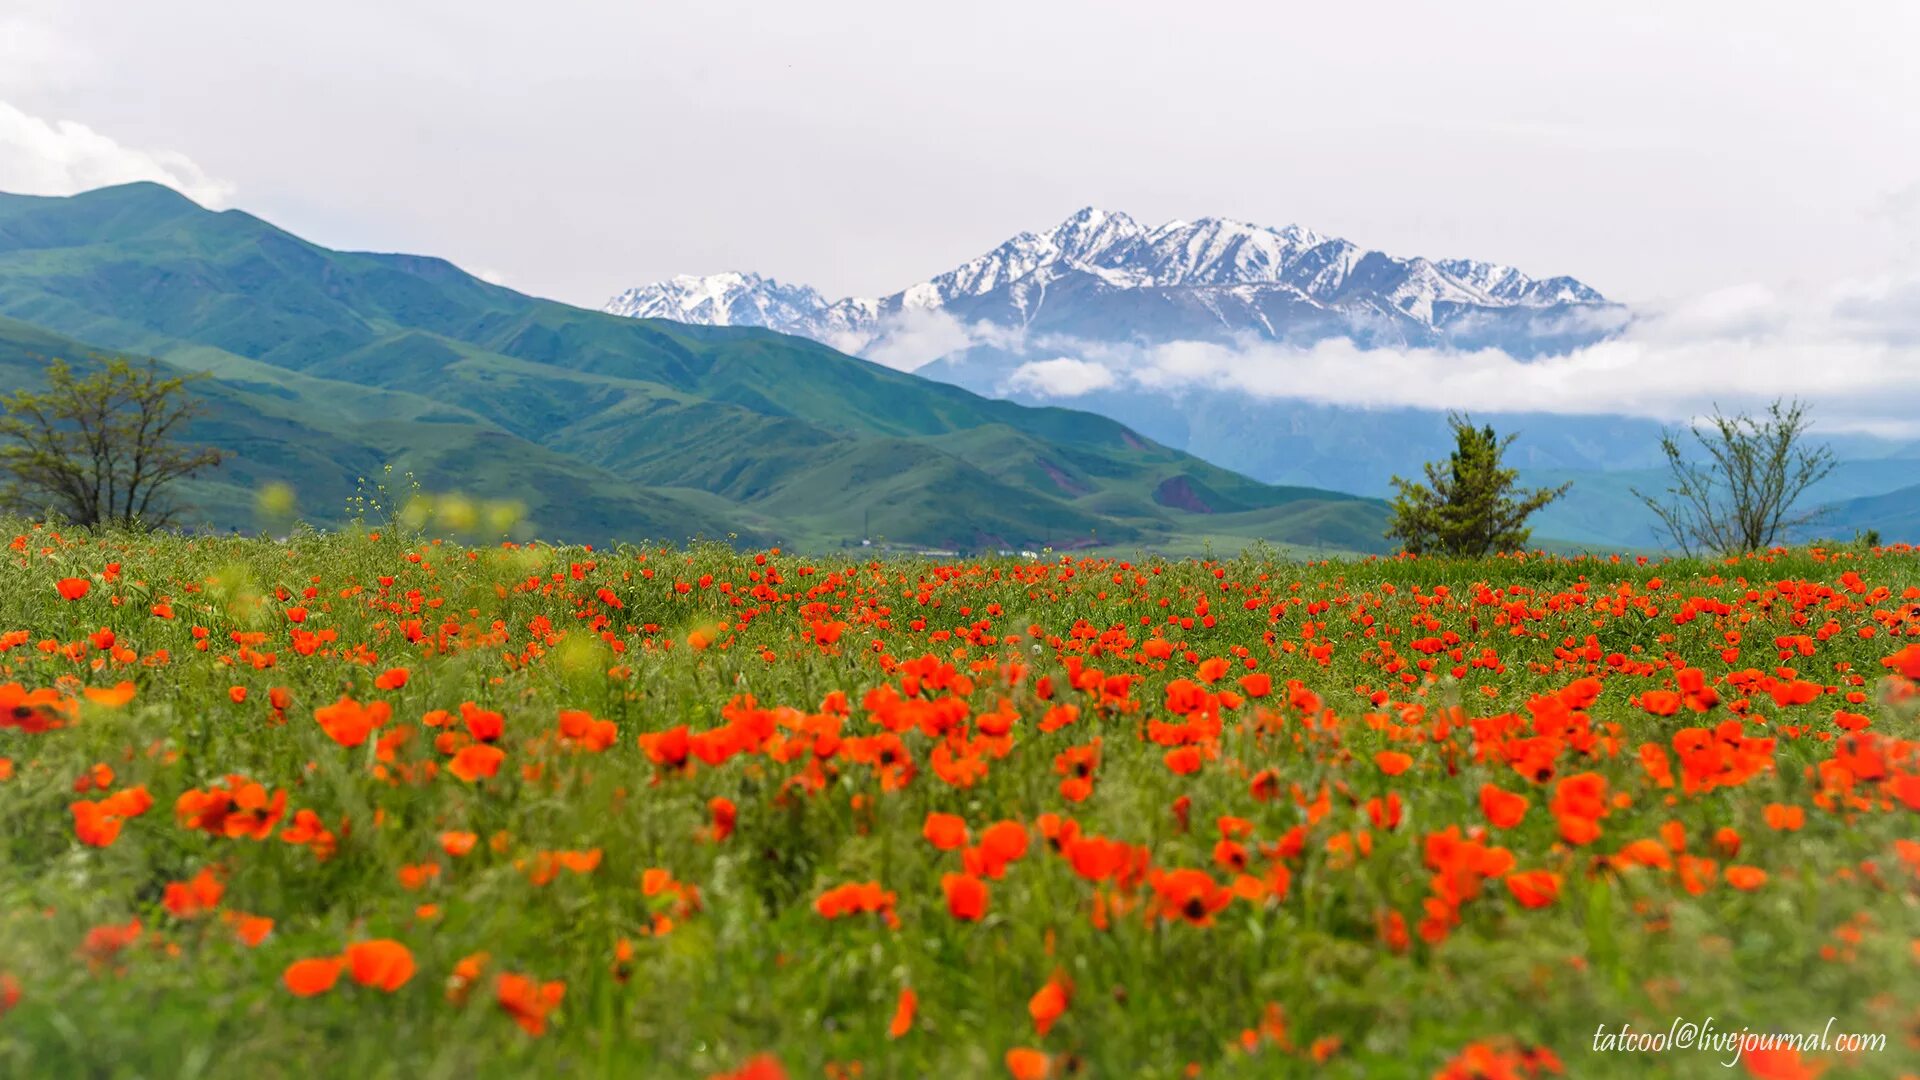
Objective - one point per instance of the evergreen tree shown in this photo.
(1469, 505)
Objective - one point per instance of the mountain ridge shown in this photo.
(1328, 282)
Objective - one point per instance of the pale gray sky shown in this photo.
(1656, 150)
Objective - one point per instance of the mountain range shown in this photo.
(323, 365)
(1102, 276)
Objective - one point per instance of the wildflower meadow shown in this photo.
(376, 805)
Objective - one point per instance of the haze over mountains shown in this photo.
(328, 364)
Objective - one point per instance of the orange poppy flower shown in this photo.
(382, 962)
(348, 722)
(72, 588)
(945, 831)
(250, 929)
(1534, 888)
(1660, 702)
(1503, 809)
(1905, 663)
(527, 1001)
(903, 1013)
(1004, 842)
(1026, 1063)
(1189, 894)
(111, 697)
(466, 972)
(1049, 1003)
(415, 876)
(1645, 852)
(767, 1067)
(192, 899)
(724, 816)
(316, 976)
(103, 943)
(478, 761)
(1184, 761)
(668, 748)
(855, 898)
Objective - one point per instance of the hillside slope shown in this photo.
(505, 395)
(323, 439)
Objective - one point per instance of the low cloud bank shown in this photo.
(910, 340)
(1063, 377)
(1852, 350)
(63, 157)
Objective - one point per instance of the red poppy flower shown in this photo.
(966, 896)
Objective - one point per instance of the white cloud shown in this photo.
(1062, 377)
(61, 157)
(910, 340)
(1852, 351)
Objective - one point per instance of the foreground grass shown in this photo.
(1259, 839)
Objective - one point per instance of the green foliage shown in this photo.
(100, 448)
(1470, 505)
(380, 501)
(1741, 497)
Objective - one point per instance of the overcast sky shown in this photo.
(572, 149)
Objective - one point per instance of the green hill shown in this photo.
(321, 439)
(329, 363)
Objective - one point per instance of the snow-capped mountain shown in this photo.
(1102, 276)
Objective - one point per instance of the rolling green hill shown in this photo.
(322, 438)
(328, 363)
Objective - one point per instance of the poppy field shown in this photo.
(374, 805)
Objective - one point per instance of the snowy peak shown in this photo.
(1507, 284)
(1232, 275)
(1091, 237)
(1219, 251)
(729, 299)
(1095, 236)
